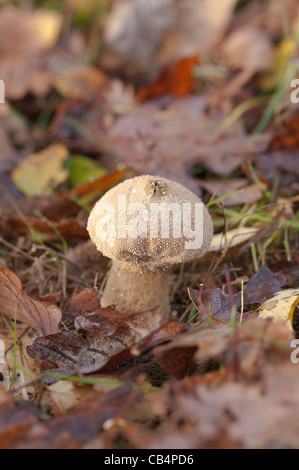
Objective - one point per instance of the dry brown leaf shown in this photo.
(69, 229)
(101, 339)
(202, 24)
(21, 429)
(257, 45)
(176, 80)
(134, 28)
(39, 315)
(219, 304)
(213, 342)
(25, 36)
(80, 83)
(170, 142)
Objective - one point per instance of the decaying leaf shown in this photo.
(281, 307)
(20, 428)
(171, 141)
(42, 316)
(134, 28)
(242, 339)
(262, 286)
(40, 172)
(100, 340)
(69, 229)
(97, 185)
(289, 138)
(25, 36)
(80, 83)
(257, 45)
(202, 24)
(231, 238)
(176, 80)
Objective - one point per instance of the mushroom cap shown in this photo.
(174, 206)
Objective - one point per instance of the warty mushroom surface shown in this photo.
(145, 225)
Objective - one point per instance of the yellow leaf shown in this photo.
(40, 172)
(232, 238)
(281, 306)
(45, 27)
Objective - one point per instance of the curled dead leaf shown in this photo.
(42, 316)
(102, 339)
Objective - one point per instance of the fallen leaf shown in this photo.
(176, 80)
(69, 229)
(170, 142)
(100, 340)
(86, 301)
(262, 286)
(40, 172)
(21, 429)
(42, 316)
(80, 83)
(83, 169)
(203, 24)
(98, 185)
(281, 307)
(177, 362)
(25, 36)
(232, 238)
(214, 342)
(133, 30)
(64, 394)
(257, 45)
(54, 206)
(289, 139)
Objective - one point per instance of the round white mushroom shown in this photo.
(145, 225)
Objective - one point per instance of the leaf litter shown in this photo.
(91, 101)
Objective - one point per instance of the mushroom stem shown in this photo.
(133, 288)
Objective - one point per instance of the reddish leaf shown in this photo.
(86, 301)
(177, 79)
(177, 362)
(69, 229)
(19, 428)
(103, 183)
(290, 138)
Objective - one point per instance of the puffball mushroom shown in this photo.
(145, 225)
